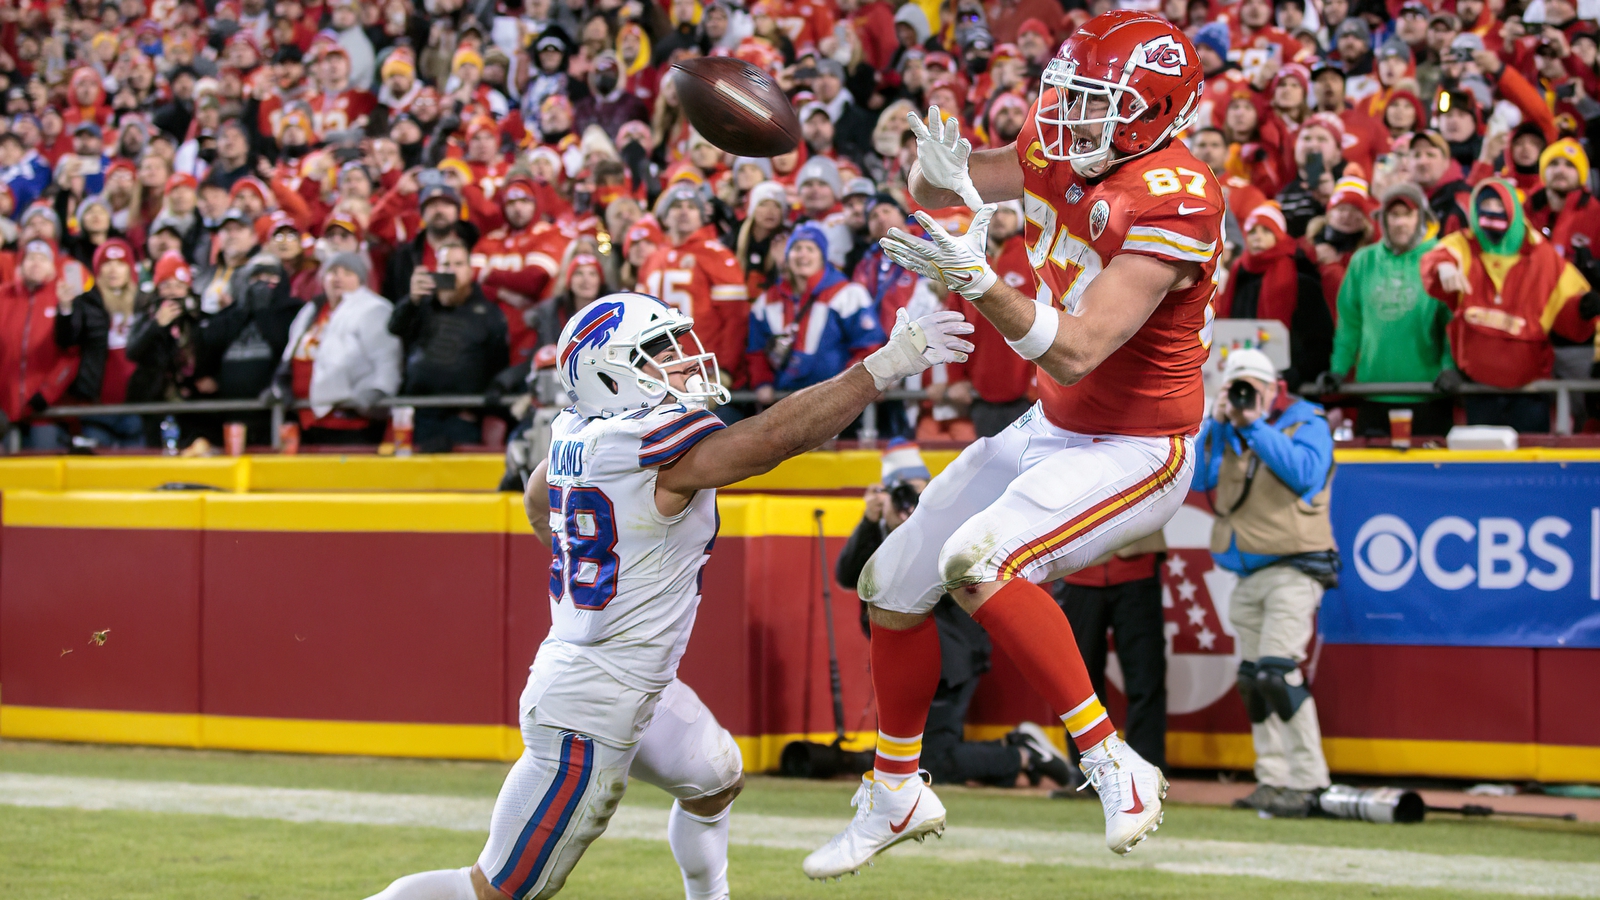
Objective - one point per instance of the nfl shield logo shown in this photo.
(1074, 194)
(1098, 217)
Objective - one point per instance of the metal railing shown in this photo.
(867, 432)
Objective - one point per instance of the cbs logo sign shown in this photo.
(1494, 553)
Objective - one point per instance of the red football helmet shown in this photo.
(1145, 72)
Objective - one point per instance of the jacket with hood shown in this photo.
(1389, 329)
(1520, 292)
(35, 370)
(357, 359)
(1446, 198)
(246, 338)
(798, 339)
(611, 110)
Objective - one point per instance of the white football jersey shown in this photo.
(624, 579)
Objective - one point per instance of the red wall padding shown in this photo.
(1569, 692)
(60, 585)
(397, 627)
(1427, 693)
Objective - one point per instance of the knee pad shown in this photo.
(1278, 680)
(966, 558)
(1255, 703)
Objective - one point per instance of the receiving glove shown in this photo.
(1449, 381)
(915, 347)
(943, 153)
(959, 263)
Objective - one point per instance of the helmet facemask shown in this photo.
(1065, 102)
(703, 382)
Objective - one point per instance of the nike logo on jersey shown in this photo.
(1138, 805)
(1185, 210)
(907, 820)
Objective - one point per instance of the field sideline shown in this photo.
(145, 823)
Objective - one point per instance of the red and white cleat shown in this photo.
(1131, 791)
(885, 816)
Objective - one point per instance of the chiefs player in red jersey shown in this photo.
(1122, 230)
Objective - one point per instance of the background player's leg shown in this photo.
(902, 582)
(685, 752)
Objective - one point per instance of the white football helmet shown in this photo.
(606, 357)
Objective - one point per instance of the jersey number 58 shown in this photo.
(583, 559)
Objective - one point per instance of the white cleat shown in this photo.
(1131, 791)
(885, 816)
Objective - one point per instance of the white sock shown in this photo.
(700, 845)
(441, 884)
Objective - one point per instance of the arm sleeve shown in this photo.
(406, 319)
(1561, 310)
(1513, 86)
(1302, 461)
(668, 442)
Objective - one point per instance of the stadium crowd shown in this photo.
(342, 202)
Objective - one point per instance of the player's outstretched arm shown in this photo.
(1066, 347)
(805, 419)
(536, 501)
(1112, 309)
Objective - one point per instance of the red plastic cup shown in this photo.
(289, 438)
(1400, 428)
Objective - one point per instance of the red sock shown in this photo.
(1023, 620)
(905, 674)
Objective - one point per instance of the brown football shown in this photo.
(738, 107)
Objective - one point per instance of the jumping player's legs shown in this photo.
(1076, 505)
(685, 752)
(902, 582)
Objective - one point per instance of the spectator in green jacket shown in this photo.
(1389, 328)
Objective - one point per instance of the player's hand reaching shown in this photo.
(915, 347)
(960, 263)
(943, 154)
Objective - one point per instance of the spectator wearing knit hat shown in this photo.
(1389, 328)
(163, 341)
(761, 238)
(609, 104)
(1566, 212)
(693, 271)
(1346, 227)
(97, 322)
(852, 123)
(1318, 164)
(341, 356)
(812, 325)
(1274, 279)
(821, 189)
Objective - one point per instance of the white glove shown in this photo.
(943, 153)
(915, 347)
(959, 263)
(1451, 279)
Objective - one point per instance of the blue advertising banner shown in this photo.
(1467, 555)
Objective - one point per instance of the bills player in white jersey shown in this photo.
(627, 497)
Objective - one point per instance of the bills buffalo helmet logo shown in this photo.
(1164, 55)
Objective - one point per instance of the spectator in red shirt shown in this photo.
(35, 370)
(97, 322)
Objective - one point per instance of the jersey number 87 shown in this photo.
(583, 559)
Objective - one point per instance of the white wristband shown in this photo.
(1041, 335)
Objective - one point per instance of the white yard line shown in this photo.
(1283, 862)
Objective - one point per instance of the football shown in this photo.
(738, 107)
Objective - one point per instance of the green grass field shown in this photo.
(126, 853)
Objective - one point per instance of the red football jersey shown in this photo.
(1166, 205)
(703, 279)
(340, 112)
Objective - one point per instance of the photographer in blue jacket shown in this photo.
(1266, 462)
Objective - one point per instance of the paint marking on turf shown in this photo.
(1282, 862)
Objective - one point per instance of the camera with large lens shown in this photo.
(1242, 395)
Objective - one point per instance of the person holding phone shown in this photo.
(456, 342)
(1319, 164)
